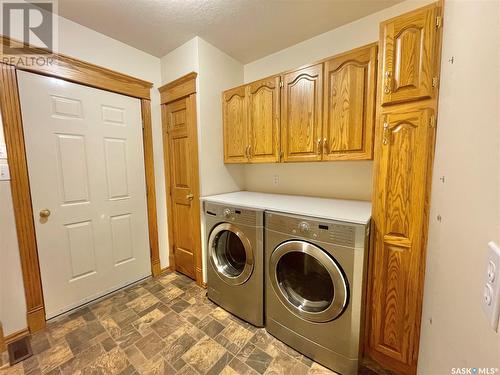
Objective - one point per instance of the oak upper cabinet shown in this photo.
(349, 105)
(409, 51)
(301, 114)
(264, 120)
(236, 141)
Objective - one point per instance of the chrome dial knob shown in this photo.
(304, 227)
(226, 213)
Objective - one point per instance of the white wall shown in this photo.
(348, 180)
(12, 301)
(180, 61)
(468, 156)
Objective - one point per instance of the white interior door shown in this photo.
(86, 166)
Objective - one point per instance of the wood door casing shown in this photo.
(409, 56)
(402, 177)
(301, 114)
(263, 120)
(349, 105)
(181, 156)
(235, 127)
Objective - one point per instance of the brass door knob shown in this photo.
(45, 213)
(189, 197)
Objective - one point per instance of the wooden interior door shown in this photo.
(181, 159)
(409, 56)
(264, 120)
(400, 219)
(234, 109)
(301, 114)
(349, 111)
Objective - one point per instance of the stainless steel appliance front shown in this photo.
(315, 272)
(235, 272)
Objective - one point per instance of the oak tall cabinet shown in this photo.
(349, 105)
(301, 114)
(404, 150)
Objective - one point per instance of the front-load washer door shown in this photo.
(308, 281)
(230, 254)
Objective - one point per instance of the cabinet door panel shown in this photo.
(301, 111)
(402, 170)
(263, 120)
(235, 126)
(409, 56)
(349, 105)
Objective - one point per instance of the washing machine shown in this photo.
(315, 287)
(235, 264)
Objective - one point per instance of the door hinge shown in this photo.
(432, 122)
(435, 81)
(439, 21)
(142, 124)
(281, 83)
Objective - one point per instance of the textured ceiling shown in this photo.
(244, 29)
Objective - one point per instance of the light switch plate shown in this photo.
(4, 172)
(491, 286)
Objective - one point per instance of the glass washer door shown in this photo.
(308, 281)
(230, 254)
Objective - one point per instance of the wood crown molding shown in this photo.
(73, 70)
(181, 87)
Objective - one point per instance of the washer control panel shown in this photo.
(233, 214)
(329, 231)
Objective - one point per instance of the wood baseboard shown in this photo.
(36, 319)
(16, 336)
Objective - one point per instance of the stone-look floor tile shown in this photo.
(204, 354)
(259, 361)
(150, 345)
(83, 337)
(143, 323)
(30, 364)
(112, 362)
(81, 360)
(317, 369)
(284, 364)
(187, 370)
(59, 330)
(199, 310)
(128, 336)
(237, 337)
(171, 292)
(177, 348)
(168, 324)
(108, 343)
(135, 357)
(220, 364)
(54, 357)
(17, 369)
(242, 368)
(213, 328)
(177, 365)
(143, 302)
(179, 306)
(124, 317)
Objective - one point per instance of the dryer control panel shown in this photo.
(333, 232)
(234, 214)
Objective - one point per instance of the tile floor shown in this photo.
(161, 326)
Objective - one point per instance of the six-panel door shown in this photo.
(349, 105)
(405, 148)
(409, 56)
(183, 182)
(263, 120)
(301, 114)
(236, 144)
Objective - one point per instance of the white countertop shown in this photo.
(351, 211)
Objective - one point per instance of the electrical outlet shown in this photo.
(491, 288)
(276, 179)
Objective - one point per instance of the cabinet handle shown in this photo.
(246, 151)
(325, 146)
(388, 83)
(385, 139)
(189, 197)
(318, 144)
(249, 151)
